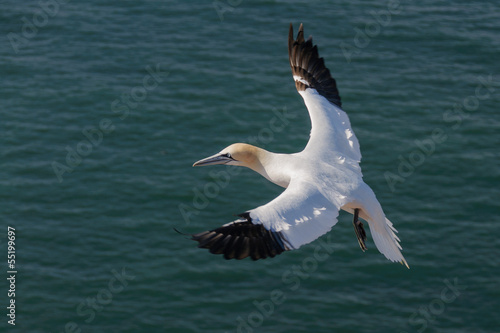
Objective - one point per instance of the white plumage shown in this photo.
(320, 180)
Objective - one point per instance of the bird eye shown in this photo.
(228, 155)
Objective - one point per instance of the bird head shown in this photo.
(240, 154)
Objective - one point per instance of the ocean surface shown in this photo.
(106, 105)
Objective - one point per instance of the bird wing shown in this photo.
(331, 132)
(298, 216)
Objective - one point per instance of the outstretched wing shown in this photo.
(331, 132)
(296, 217)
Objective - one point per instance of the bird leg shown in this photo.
(359, 230)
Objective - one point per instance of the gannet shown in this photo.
(320, 180)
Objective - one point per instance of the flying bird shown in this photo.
(320, 180)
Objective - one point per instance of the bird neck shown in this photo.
(256, 158)
(268, 165)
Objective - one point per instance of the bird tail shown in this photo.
(386, 240)
(381, 229)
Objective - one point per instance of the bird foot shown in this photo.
(359, 230)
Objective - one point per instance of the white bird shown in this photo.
(320, 180)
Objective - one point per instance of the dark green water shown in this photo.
(141, 90)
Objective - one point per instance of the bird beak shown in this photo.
(213, 160)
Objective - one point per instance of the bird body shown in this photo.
(322, 179)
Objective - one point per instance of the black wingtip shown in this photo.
(300, 34)
(184, 234)
(242, 239)
(310, 68)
